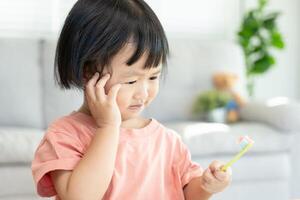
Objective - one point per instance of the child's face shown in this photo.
(138, 86)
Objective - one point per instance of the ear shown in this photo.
(88, 72)
(86, 77)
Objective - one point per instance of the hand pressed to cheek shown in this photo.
(103, 105)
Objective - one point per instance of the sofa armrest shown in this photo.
(283, 116)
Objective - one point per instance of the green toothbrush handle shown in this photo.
(236, 158)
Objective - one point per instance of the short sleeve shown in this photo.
(57, 150)
(188, 169)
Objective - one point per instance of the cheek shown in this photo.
(123, 97)
(154, 91)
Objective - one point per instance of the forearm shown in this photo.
(194, 191)
(91, 177)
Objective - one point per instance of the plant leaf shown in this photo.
(251, 24)
(262, 3)
(262, 65)
(269, 21)
(276, 40)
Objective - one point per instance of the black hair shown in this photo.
(96, 30)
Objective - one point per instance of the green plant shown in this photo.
(258, 34)
(210, 100)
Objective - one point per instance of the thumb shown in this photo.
(112, 95)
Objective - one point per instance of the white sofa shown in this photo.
(30, 101)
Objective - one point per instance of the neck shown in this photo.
(138, 122)
(84, 109)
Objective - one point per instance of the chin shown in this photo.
(129, 117)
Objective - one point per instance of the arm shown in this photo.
(91, 177)
(194, 191)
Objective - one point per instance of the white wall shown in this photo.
(202, 18)
(32, 18)
(219, 19)
(298, 51)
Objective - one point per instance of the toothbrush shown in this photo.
(245, 143)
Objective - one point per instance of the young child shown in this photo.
(116, 51)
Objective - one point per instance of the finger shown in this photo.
(100, 92)
(208, 177)
(220, 175)
(112, 95)
(215, 165)
(224, 176)
(89, 87)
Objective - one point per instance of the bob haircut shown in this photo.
(96, 30)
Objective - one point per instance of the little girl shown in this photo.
(116, 51)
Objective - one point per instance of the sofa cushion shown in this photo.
(57, 102)
(258, 190)
(18, 181)
(21, 197)
(281, 113)
(17, 145)
(21, 96)
(214, 138)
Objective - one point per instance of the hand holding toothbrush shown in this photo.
(215, 180)
(218, 176)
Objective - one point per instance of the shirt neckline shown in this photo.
(125, 132)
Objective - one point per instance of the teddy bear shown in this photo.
(225, 81)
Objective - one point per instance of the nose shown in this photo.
(142, 91)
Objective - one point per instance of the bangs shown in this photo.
(149, 40)
(141, 29)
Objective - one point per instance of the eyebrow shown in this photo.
(128, 74)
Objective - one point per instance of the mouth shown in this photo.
(136, 107)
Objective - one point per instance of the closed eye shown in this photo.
(132, 82)
(153, 78)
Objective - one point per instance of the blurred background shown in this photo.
(206, 20)
(233, 70)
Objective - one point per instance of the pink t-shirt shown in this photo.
(152, 162)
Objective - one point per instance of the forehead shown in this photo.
(120, 68)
